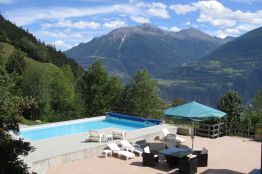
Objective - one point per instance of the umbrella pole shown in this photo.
(192, 134)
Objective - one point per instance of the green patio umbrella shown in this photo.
(194, 111)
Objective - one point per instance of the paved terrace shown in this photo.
(227, 155)
(59, 150)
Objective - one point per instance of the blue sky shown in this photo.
(66, 23)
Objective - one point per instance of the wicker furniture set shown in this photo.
(182, 158)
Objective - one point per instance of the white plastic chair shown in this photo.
(166, 132)
(118, 134)
(95, 136)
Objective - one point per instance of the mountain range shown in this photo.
(188, 64)
(126, 50)
(236, 65)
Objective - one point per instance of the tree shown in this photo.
(35, 83)
(63, 95)
(29, 107)
(142, 95)
(255, 110)
(99, 90)
(16, 63)
(257, 103)
(10, 115)
(3, 36)
(231, 104)
(1, 49)
(54, 89)
(1, 54)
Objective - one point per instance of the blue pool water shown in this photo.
(78, 127)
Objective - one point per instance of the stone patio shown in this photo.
(227, 155)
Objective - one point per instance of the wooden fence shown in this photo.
(211, 130)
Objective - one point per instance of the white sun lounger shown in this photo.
(126, 154)
(120, 152)
(135, 148)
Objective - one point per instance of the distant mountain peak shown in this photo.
(191, 29)
(149, 28)
(193, 33)
(145, 29)
(146, 25)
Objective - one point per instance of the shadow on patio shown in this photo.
(220, 171)
(161, 166)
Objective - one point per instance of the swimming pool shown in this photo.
(74, 127)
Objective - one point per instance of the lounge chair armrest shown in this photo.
(135, 145)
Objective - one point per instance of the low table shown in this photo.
(173, 155)
(176, 152)
(107, 152)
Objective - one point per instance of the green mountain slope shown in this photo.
(33, 48)
(126, 50)
(44, 73)
(236, 65)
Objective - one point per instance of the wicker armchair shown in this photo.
(202, 157)
(188, 165)
(149, 159)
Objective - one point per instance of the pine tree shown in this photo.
(142, 95)
(255, 112)
(16, 63)
(231, 103)
(99, 90)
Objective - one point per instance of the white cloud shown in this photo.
(232, 31)
(228, 32)
(61, 44)
(115, 24)
(163, 28)
(187, 23)
(140, 19)
(151, 5)
(218, 15)
(64, 38)
(156, 5)
(54, 34)
(6, 1)
(158, 12)
(246, 27)
(246, 1)
(157, 9)
(70, 24)
(221, 34)
(174, 29)
(183, 8)
(235, 31)
(28, 16)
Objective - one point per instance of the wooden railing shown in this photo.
(211, 130)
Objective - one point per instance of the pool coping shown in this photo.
(62, 123)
